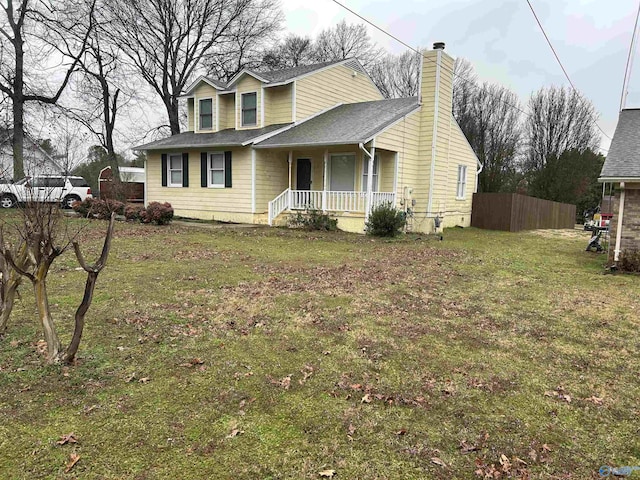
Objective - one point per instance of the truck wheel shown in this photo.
(7, 201)
(68, 201)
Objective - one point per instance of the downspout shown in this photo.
(434, 137)
(616, 252)
(371, 155)
(253, 180)
(478, 172)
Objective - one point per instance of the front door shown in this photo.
(303, 174)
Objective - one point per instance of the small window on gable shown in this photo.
(365, 174)
(249, 109)
(216, 169)
(206, 114)
(175, 170)
(462, 182)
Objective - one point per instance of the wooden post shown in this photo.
(370, 181)
(290, 160)
(326, 180)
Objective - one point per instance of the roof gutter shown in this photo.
(619, 179)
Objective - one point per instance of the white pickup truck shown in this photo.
(45, 188)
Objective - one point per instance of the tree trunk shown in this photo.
(7, 303)
(18, 108)
(92, 276)
(42, 301)
(70, 355)
(174, 115)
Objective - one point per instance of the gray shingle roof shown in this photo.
(623, 159)
(278, 76)
(224, 138)
(346, 124)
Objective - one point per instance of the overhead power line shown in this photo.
(629, 66)
(466, 80)
(555, 54)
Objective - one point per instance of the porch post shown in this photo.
(372, 155)
(290, 160)
(326, 180)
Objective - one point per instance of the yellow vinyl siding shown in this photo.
(272, 177)
(198, 202)
(226, 111)
(190, 114)
(277, 103)
(404, 138)
(386, 170)
(326, 88)
(204, 91)
(248, 84)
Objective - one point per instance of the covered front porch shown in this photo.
(336, 180)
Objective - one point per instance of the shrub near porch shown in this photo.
(281, 354)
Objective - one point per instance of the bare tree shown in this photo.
(488, 116)
(397, 75)
(244, 44)
(346, 41)
(493, 128)
(10, 280)
(561, 119)
(32, 32)
(45, 237)
(293, 51)
(166, 41)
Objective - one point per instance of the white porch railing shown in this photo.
(306, 200)
(328, 201)
(378, 198)
(278, 205)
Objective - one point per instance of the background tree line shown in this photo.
(104, 65)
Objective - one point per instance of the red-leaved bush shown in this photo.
(158, 213)
(96, 208)
(133, 212)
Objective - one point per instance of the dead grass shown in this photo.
(264, 353)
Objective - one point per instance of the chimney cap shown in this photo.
(438, 46)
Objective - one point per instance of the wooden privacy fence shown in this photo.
(512, 212)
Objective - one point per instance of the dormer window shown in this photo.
(249, 109)
(206, 114)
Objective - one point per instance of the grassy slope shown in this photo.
(453, 346)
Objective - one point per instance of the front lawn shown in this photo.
(267, 354)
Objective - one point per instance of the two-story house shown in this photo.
(317, 137)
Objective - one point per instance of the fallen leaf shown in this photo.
(437, 461)
(235, 432)
(131, 377)
(73, 459)
(595, 400)
(327, 473)
(467, 448)
(402, 431)
(68, 438)
(366, 398)
(546, 447)
(144, 380)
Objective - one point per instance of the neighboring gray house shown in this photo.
(36, 160)
(622, 168)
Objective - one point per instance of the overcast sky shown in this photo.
(503, 41)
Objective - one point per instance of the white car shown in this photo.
(45, 188)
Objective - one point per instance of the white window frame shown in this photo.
(355, 167)
(462, 182)
(200, 127)
(169, 170)
(376, 173)
(210, 169)
(242, 124)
